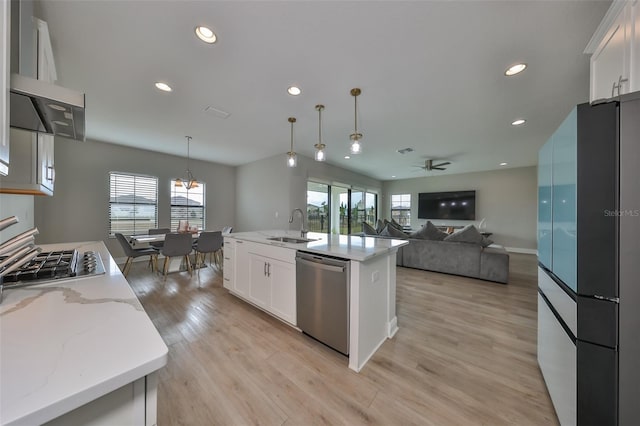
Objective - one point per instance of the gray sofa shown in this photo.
(470, 260)
(466, 252)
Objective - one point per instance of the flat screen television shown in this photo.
(456, 205)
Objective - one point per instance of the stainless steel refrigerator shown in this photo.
(597, 268)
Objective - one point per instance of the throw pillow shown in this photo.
(368, 229)
(468, 234)
(379, 225)
(396, 224)
(391, 231)
(398, 227)
(486, 241)
(429, 232)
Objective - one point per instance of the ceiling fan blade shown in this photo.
(446, 163)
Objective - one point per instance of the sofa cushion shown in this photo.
(429, 232)
(468, 234)
(396, 224)
(486, 242)
(379, 225)
(368, 229)
(391, 231)
(388, 223)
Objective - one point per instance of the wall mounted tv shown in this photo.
(457, 205)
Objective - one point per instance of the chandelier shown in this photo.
(191, 182)
(320, 154)
(356, 146)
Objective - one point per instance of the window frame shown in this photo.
(135, 176)
(402, 218)
(172, 192)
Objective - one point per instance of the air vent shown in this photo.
(405, 151)
(217, 112)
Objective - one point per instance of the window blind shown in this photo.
(133, 203)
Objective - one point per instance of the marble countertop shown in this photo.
(64, 344)
(344, 246)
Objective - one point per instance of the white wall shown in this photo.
(79, 208)
(20, 206)
(507, 198)
(268, 190)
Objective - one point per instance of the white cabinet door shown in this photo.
(242, 276)
(229, 262)
(259, 287)
(616, 54)
(5, 33)
(283, 290)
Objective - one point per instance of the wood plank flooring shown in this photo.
(465, 354)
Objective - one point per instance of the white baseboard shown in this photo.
(521, 250)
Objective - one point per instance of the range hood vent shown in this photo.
(39, 106)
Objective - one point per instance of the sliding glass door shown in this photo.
(339, 209)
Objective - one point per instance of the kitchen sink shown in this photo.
(293, 240)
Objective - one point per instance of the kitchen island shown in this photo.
(79, 350)
(262, 271)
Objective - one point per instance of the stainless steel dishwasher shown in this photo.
(322, 291)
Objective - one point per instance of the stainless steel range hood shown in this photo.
(43, 107)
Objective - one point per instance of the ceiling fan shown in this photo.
(428, 165)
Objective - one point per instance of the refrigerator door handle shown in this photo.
(608, 299)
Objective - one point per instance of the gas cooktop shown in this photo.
(55, 265)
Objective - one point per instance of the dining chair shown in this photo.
(176, 245)
(208, 243)
(156, 231)
(133, 253)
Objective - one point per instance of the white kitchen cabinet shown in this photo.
(266, 277)
(132, 404)
(229, 262)
(615, 52)
(5, 36)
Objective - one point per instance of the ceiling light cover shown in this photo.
(294, 90)
(518, 122)
(503, 164)
(206, 34)
(292, 158)
(515, 69)
(163, 86)
(320, 154)
(356, 145)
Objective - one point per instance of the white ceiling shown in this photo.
(431, 74)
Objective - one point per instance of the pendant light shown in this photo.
(191, 182)
(356, 146)
(292, 159)
(320, 154)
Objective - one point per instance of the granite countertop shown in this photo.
(64, 344)
(343, 246)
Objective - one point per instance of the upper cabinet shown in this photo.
(5, 56)
(615, 52)
(32, 161)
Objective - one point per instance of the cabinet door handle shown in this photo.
(618, 85)
(50, 173)
(268, 269)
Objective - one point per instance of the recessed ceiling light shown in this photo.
(346, 157)
(518, 122)
(503, 164)
(163, 86)
(206, 34)
(515, 69)
(294, 90)
(393, 176)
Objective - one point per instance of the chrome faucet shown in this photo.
(303, 232)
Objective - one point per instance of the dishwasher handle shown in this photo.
(320, 265)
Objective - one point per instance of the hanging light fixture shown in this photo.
(356, 146)
(292, 159)
(191, 182)
(320, 154)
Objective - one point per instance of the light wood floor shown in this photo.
(465, 354)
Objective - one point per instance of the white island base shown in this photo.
(263, 273)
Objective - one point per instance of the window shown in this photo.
(133, 203)
(401, 209)
(317, 207)
(371, 204)
(187, 204)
